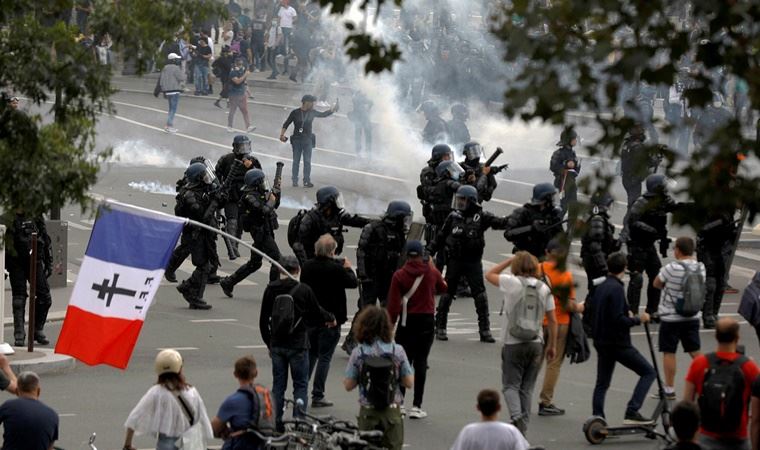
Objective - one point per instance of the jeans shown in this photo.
(322, 343)
(708, 443)
(166, 442)
(287, 34)
(520, 364)
(301, 146)
(200, 76)
(629, 357)
(238, 102)
(417, 339)
(173, 103)
(297, 361)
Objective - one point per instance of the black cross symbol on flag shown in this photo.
(106, 290)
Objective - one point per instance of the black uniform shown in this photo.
(714, 244)
(564, 177)
(258, 216)
(531, 227)
(230, 171)
(597, 243)
(315, 223)
(377, 258)
(635, 165)
(441, 193)
(459, 134)
(474, 176)
(17, 263)
(435, 130)
(647, 223)
(424, 189)
(462, 238)
(196, 202)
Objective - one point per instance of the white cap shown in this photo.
(174, 56)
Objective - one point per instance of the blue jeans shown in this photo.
(200, 77)
(629, 357)
(166, 442)
(301, 146)
(173, 103)
(297, 361)
(322, 342)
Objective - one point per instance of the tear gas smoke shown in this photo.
(140, 153)
(152, 187)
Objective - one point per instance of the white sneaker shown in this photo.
(251, 129)
(417, 413)
(230, 129)
(170, 130)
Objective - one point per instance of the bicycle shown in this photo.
(330, 433)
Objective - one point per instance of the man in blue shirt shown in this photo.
(29, 424)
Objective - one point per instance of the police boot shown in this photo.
(40, 317)
(198, 290)
(484, 324)
(19, 333)
(171, 270)
(441, 317)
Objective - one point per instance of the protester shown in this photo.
(258, 32)
(612, 339)
(250, 406)
(28, 423)
(749, 306)
(754, 412)
(328, 277)
(222, 68)
(170, 83)
(303, 139)
(561, 284)
(526, 301)
(274, 43)
(169, 407)
(685, 420)
(411, 298)
(201, 57)
(489, 433)
(286, 337)
(238, 96)
(676, 327)
(379, 384)
(287, 15)
(724, 395)
(7, 377)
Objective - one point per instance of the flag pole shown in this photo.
(108, 201)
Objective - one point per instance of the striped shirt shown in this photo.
(672, 275)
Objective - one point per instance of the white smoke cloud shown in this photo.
(152, 187)
(140, 153)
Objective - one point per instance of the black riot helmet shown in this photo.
(241, 145)
(330, 196)
(196, 173)
(449, 169)
(459, 111)
(657, 184)
(439, 151)
(256, 179)
(601, 202)
(399, 213)
(465, 198)
(567, 137)
(543, 193)
(472, 152)
(429, 108)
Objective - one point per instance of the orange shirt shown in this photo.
(560, 282)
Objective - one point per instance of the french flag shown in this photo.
(120, 274)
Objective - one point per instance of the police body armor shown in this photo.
(466, 240)
(648, 219)
(597, 244)
(256, 215)
(441, 194)
(379, 252)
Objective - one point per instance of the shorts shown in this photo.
(686, 332)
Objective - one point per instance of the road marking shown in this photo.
(244, 347)
(79, 227)
(67, 415)
(702, 330)
(212, 320)
(178, 348)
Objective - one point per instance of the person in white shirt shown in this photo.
(489, 433)
(287, 15)
(676, 328)
(521, 357)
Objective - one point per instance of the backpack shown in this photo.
(527, 317)
(284, 314)
(262, 414)
(379, 378)
(721, 402)
(692, 290)
(294, 226)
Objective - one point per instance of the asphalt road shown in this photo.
(98, 399)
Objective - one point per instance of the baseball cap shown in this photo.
(308, 98)
(173, 56)
(413, 248)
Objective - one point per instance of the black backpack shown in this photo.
(721, 403)
(284, 319)
(379, 378)
(293, 227)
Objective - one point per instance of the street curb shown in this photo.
(50, 363)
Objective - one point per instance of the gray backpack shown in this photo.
(527, 317)
(692, 290)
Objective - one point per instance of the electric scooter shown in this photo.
(596, 429)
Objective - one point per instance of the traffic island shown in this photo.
(40, 361)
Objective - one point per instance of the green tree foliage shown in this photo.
(49, 161)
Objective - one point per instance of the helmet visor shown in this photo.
(460, 203)
(473, 152)
(243, 148)
(455, 171)
(339, 203)
(408, 219)
(209, 177)
(265, 184)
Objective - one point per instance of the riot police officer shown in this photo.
(440, 153)
(532, 226)
(462, 238)
(378, 256)
(647, 223)
(327, 216)
(566, 168)
(17, 263)
(636, 163)
(459, 134)
(196, 202)
(476, 174)
(435, 129)
(258, 215)
(598, 240)
(230, 170)
(714, 242)
(448, 177)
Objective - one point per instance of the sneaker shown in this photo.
(668, 396)
(230, 129)
(272, 77)
(321, 403)
(251, 129)
(440, 334)
(635, 418)
(40, 338)
(417, 413)
(295, 184)
(521, 425)
(170, 130)
(226, 286)
(218, 105)
(549, 410)
(307, 184)
(402, 409)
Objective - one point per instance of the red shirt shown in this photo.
(696, 376)
(423, 300)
